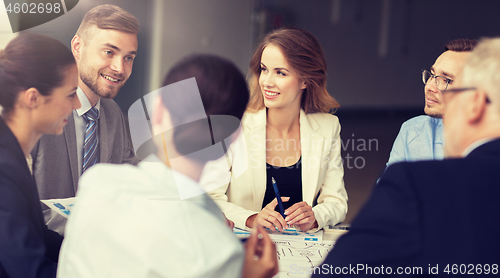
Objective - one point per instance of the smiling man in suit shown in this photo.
(104, 48)
(438, 217)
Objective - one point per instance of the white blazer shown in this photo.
(244, 174)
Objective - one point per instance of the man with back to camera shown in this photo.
(159, 222)
(421, 137)
(104, 48)
(438, 217)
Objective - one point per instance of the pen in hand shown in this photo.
(278, 198)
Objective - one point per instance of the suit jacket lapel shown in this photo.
(9, 141)
(70, 136)
(103, 137)
(312, 145)
(256, 151)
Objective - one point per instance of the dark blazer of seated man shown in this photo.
(438, 217)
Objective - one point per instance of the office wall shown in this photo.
(412, 31)
(5, 30)
(218, 27)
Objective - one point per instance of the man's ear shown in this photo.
(160, 120)
(157, 111)
(32, 98)
(476, 109)
(76, 47)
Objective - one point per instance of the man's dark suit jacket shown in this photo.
(27, 247)
(435, 213)
(55, 160)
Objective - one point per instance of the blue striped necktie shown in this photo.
(90, 150)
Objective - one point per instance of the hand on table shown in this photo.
(261, 259)
(268, 217)
(302, 216)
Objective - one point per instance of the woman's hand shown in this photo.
(301, 215)
(268, 217)
(229, 223)
(261, 259)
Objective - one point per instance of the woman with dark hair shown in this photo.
(154, 220)
(291, 136)
(38, 82)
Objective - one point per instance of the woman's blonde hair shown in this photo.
(305, 55)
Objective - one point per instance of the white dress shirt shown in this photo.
(129, 221)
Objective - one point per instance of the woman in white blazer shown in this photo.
(288, 134)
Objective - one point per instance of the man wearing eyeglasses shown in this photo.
(438, 218)
(421, 138)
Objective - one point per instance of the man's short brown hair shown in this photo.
(460, 45)
(108, 17)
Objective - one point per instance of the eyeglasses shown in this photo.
(459, 90)
(441, 81)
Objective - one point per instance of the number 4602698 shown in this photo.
(471, 269)
(34, 8)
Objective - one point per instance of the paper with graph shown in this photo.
(61, 206)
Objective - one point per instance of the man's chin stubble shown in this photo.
(95, 88)
(433, 114)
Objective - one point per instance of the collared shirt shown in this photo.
(420, 138)
(130, 221)
(81, 124)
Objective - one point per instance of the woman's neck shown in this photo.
(283, 120)
(20, 125)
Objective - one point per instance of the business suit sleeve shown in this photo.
(54, 174)
(22, 249)
(115, 143)
(386, 231)
(332, 201)
(128, 150)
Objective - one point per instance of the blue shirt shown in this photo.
(420, 138)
